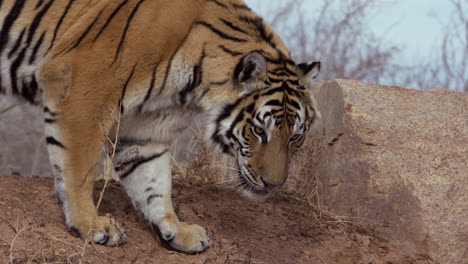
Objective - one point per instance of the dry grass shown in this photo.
(36, 246)
(22, 230)
(201, 164)
(18, 228)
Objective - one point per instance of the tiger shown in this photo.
(140, 71)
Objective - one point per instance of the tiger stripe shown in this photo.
(9, 21)
(59, 23)
(135, 163)
(229, 51)
(218, 3)
(124, 90)
(150, 88)
(83, 35)
(195, 81)
(232, 26)
(127, 25)
(220, 33)
(36, 47)
(52, 141)
(169, 64)
(153, 196)
(37, 21)
(17, 43)
(109, 20)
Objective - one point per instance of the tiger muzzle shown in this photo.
(275, 162)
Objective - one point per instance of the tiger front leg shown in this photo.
(145, 172)
(75, 158)
(75, 134)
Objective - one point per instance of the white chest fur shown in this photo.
(163, 125)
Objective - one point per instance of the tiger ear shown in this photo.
(252, 68)
(308, 71)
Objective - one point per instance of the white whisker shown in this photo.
(224, 167)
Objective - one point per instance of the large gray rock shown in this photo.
(398, 156)
(22, 145)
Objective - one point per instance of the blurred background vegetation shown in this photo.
(418, 44)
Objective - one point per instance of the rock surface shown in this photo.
(22, 145)
(398, 156)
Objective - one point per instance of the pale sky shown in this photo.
(414, 24)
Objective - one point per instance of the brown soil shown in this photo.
(32, 230)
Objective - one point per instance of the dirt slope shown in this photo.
(32, 230)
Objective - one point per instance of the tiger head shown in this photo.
(267, 124)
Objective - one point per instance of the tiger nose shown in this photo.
(271, 184)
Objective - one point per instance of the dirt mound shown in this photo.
(32, 230)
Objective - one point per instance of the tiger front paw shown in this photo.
(103, 230)
(182, 237)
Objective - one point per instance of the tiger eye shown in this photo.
(259, 131)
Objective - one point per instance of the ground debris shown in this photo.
(243, 231)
